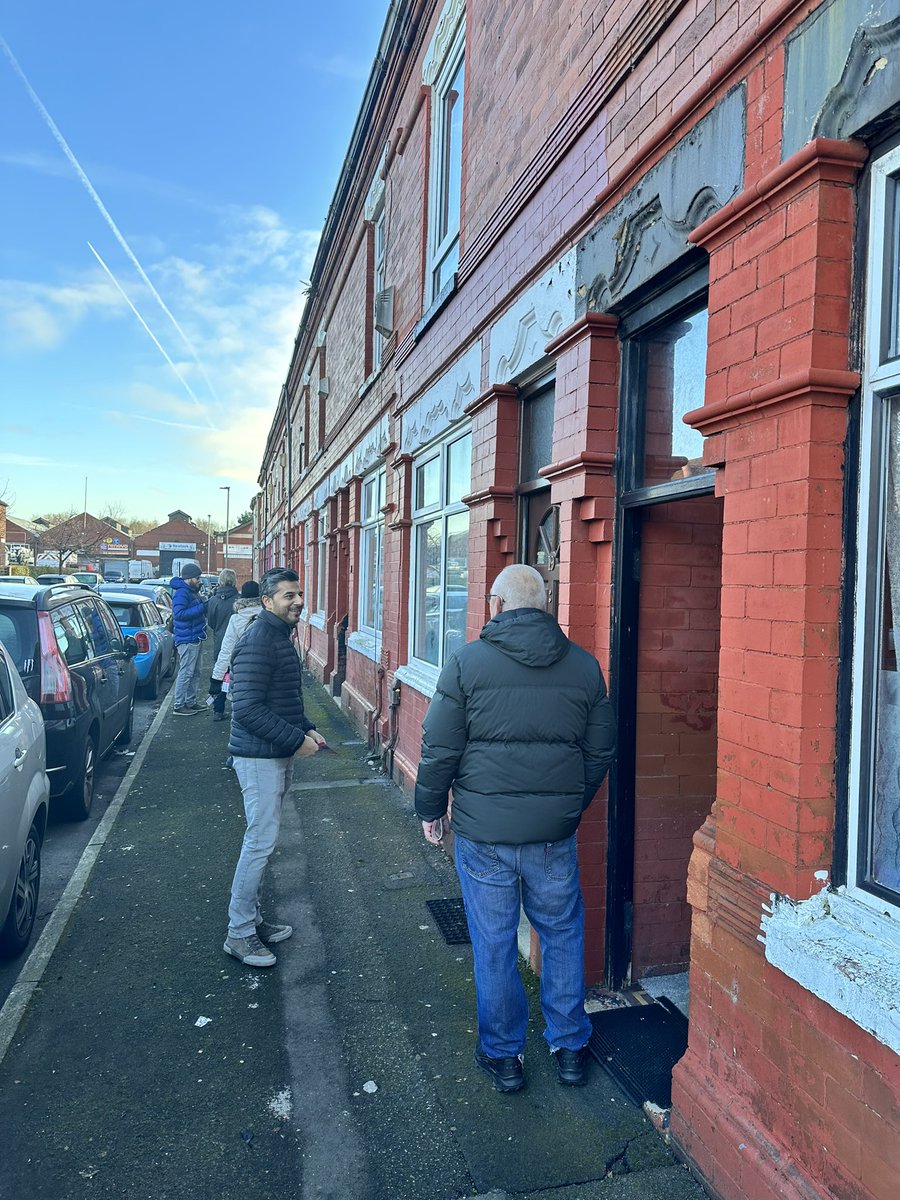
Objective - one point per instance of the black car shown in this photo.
(79, 667)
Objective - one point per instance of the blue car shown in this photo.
(140, 616)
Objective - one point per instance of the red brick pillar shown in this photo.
(774, 418)
(492, 502)
(583, 485)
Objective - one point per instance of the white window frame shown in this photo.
(371, 530)
(426, 672)
(881, 383)
(322, 561)
(441, 246)
(379, 248)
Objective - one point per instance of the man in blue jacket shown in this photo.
(189, 613)
(268, 730)
(521, 728)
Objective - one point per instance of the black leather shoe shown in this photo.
(507, 1073)
(570, 1066)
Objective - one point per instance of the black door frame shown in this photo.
(687, 294)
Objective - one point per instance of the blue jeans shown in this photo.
(188, 677)
(543, 877)
(265, 782)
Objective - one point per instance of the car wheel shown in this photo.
(16, 931)
(125, 736)
(151, 687)
(80, 797)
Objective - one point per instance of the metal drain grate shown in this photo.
(450, 917)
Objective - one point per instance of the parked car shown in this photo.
(76, 663)
(17, 579)
(91, 579)
(160, 593)
(113, 576)
(141, 618)
(24, 802)
(51, 577)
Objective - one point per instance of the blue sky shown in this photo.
(212, 135)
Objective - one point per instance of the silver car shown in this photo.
(24, 803)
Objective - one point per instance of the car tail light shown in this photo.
(56, 682)
(143, 642)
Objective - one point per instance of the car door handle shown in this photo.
(101, 675)
(20, 756)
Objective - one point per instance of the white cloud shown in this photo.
(25, 460)
(37, 316)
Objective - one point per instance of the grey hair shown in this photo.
(268, 585)
(226, 576)
(521, 586)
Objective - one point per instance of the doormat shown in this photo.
(639, 1046)
(450, 917)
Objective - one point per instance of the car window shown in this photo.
(18, 633)
(7, 697)
(73, 636)
(111, 625)
(156, 617)
(126, 614)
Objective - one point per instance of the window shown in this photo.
(322, 572)
(445, 177)
(874, 827)
(378, 337)
(370, 553)
(7, 696)
(441, 478)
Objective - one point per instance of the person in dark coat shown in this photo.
(268, 730)
(219, 611)
(189, 621)
(221, 606)
(520, 727)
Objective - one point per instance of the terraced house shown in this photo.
(614, 289)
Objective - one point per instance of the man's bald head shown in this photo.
(521, 586)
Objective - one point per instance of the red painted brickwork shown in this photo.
(678, 658)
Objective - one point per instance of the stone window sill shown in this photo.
(419, 676)
(844, 952)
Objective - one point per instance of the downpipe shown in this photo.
(387, 753)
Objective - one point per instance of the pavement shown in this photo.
(140, 1062)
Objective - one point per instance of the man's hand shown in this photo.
(316, 737)
(434, 831)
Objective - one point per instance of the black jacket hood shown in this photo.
(527, 635)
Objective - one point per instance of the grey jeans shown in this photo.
(188, 676)
(265, 782)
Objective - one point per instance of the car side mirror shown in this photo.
(131, 646)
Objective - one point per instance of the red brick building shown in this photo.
(176, 539)
(615, 290)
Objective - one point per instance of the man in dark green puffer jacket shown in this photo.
(522, 730)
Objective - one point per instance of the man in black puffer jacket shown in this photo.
(268, 729)
(521, 728)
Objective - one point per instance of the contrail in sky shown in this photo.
(152, 335)
(92, 192)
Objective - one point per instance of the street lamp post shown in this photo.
(226, 488)
(208, 541)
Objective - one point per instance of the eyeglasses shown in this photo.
(489, 596)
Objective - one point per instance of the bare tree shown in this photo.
(74, 534)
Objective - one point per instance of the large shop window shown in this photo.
(441, 477)
(445, 176)
(874, 827)
(371, 585)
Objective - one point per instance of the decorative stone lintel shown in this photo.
(587, 463)
(823, 160)
(487, 494)
(827, 386)
(400, 523)
(497, 391)
(592, 324)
